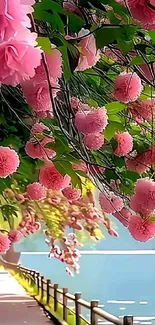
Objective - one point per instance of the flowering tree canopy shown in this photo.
(77, 110)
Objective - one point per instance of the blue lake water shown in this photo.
(124, 284)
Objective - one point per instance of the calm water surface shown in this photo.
(124, 284)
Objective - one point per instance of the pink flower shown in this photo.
(75, 102)
(124, 143)
(72, 194)
(88, 51)
(15, 236)
(13, 17)
(80, 166)
(142, 110)
(9, 161)
(38, 96)
(140, 163)
(66, 181)
(144, 11)
(127, 87)
(144, 198)
(4, 243)
(110, 202)
(36, 191)
(51, 178)
(123, 216)
(14, 55)
(91, 122)
(137, 206)
(93, 141)
(38, 150)
(54, 65)
(140, 229)
(39, 128)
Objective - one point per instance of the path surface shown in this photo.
(16, 306)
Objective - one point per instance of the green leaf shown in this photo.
(132, 175)
(44, 43)
(12, 141)
(106, 35)
(64, 51)
(152, 35)
(152, 218)
(125, 46)
(64, 168)
(49, 11)
(75, 22)
(114, 107)
(114, 118)
(137, 60)
(5, 183)
(111, 129)
(109, 174)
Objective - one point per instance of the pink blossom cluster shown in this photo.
(124, 143)
(14, 236)
(37, 89)
(4, 243)
(30, 223)
(72, 194)
(9, 161)
(142, 110)
(19, 55)
(51, 178)
(141, 162)
(6, 240)
(66, 251)
(143, 201)
(36, 149)
(127, 87)
(36, 191)
(143, 11)
(91, 122)
(88, 51)
(110, 202)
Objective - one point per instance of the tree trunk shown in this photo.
(11, 256)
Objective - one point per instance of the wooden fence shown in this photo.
(62, 297)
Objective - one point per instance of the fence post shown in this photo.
(48, 291)
(42, 286)
(128, 320)
(37, 274)
(77, 308)
(93, 318)
(55, 296)
(65, 290)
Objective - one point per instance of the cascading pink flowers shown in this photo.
(17, 43)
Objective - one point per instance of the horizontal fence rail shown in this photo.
(62, 297)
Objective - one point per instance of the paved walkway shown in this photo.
(16, 306)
